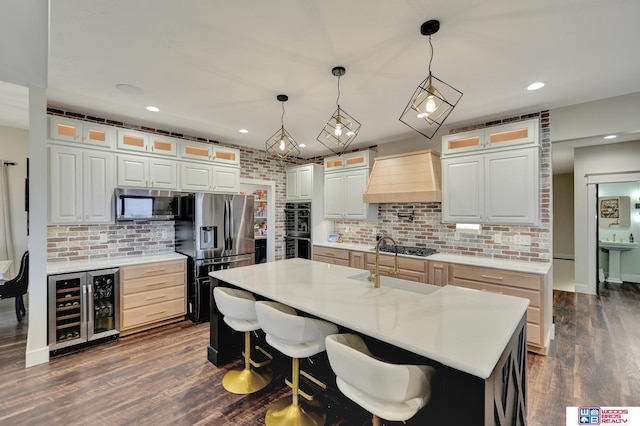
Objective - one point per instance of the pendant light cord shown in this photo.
(431, 57)
(338, 98)
(282, 117)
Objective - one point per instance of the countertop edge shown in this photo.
(90, 265)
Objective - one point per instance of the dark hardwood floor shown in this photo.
(162, 377)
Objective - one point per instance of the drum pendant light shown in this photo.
(433, 100)
(281, 145)
(341, 129)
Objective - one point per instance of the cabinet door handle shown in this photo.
(156, 313)
(438, 267)
(491, 277)
(155, 297)
(154, 284)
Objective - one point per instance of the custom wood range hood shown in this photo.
(405, 178)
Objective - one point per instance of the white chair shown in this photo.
(297, 337)
(388, 391)
(238, 308)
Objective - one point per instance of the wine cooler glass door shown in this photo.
(103, 298)
(66, 310)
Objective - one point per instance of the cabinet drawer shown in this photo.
(152, 313)
(332, 260)
(331, 252)
(151, 269)
(403, 262)
(533, 315)
(534, 334)
(145, 298)
(533, 296)
(152, 283)
(498, 276)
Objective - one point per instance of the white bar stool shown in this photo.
(297, 337)
(238, 308)
(389, 391)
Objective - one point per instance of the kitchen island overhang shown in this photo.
(478, 334)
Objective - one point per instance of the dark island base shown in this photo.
(456, 398)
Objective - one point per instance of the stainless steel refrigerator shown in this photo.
(216, 232)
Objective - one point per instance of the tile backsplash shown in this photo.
(86, 242)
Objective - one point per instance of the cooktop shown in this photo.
(413, 251)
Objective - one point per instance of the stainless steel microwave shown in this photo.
(146, 204)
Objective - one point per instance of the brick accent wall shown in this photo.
(86, 242)
(427, 231)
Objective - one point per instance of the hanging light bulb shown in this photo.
(281, 144)
(338, 130)
(341, 129)
(430, 105)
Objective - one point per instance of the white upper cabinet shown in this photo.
(209, 178)
(345, 181)
(491, 175)
(303, 182)
(81, 186)
(132, 140)
(502, 136)
(495, 188)
(82, 132)
(147, 172)
(209, 152)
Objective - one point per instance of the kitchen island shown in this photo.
(476, 340)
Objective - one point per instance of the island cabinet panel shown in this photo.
(152, 294)
(408, 269)
(519, 284)
(331, 255)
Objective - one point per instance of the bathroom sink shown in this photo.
(615, 247)
(618, 245)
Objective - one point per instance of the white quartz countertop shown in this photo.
(509, 265)
(90, 265)
(459, 327)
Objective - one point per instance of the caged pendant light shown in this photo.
(433, 100)
(341, 129)
(281, 145)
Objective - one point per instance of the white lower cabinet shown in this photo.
(80, 186)
(205, 178)
(495, 188)
(147, 172)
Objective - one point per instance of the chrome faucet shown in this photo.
(375, 276)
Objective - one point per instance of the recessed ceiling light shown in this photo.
(610, 137)
(153, 108)
(130, 89)
(303, 145)
(243, 131)
(535, 86)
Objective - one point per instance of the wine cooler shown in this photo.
(83, 306)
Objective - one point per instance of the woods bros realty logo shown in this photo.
(603, 415)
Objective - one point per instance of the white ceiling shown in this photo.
(213, 67)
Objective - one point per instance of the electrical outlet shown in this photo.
(103, 237)
(374, 231)
(456, 236)
(497, 238)
(522, 240)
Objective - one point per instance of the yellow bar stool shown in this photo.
(238, 308)
(297, 337)
(388, 391)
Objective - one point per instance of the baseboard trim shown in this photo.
(563, 256)
(36, 356)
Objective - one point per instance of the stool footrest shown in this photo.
(260, 357)
(309, 387)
